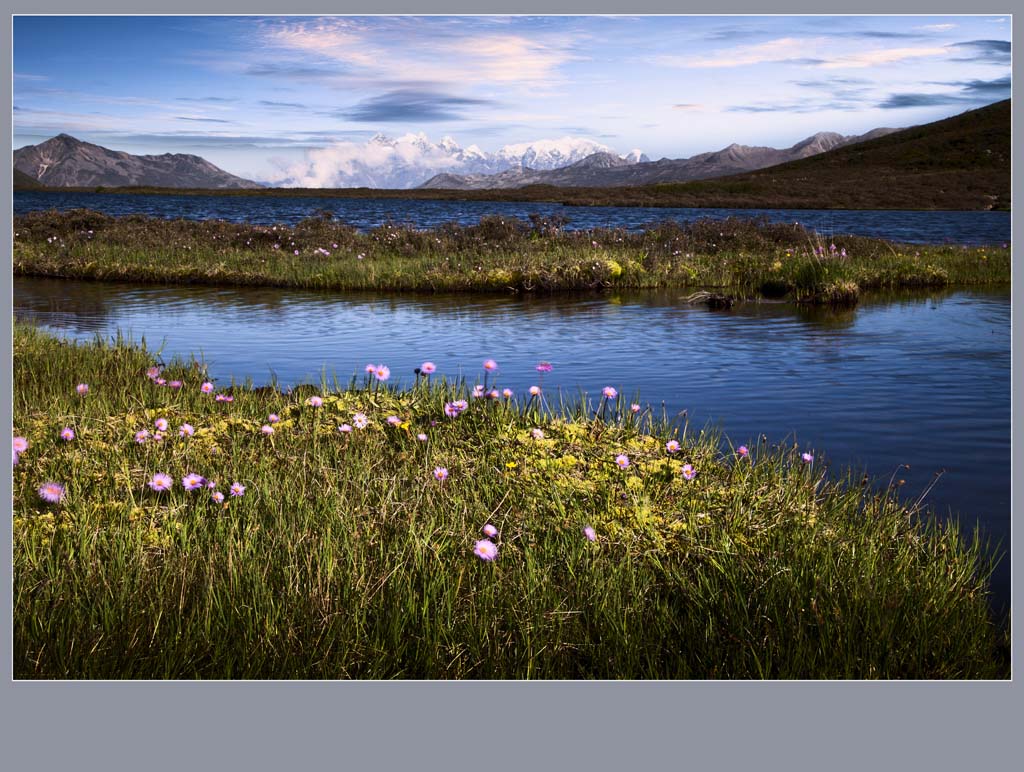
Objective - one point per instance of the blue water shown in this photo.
(919, 379)
(903, 226)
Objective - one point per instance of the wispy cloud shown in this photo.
(200, 120)
(815, 52)
(213, 99)
(286, 105)
(984, 51)
(936, 27)
(969, 92)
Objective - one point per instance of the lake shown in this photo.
(919, 379)
(366, 213)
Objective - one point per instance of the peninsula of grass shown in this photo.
(737, 257)
(360, 552)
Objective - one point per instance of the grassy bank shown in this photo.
(735, 256)
(347, 557)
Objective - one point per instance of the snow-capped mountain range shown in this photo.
(409, 160)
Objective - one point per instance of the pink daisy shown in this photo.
(537, 434)
(589, 533)
(161, 424)
(485, 549)
(807, 457)
(428, 368)
(743, 451)
(20, 444)
(543, 367)
(206, 388)
(314, 402)
(161, 482)
(622, 460)
(440, 474)
(67, 434)
(51, 492)
(394, 420)
(82, 389)
(506, 393)
(382, 372)
(141, 436)
(267, 429)
(186, 430)
(152, 372)
(192, 482)
(273, 418)
(688, 471)
(535, 391)
(490, 531)
(672, 446)
(344, 428)
(217, 497)
(609, 392)
(237, 489)
(175, 384)
(490, 365)
(421, 437)
(360, 421)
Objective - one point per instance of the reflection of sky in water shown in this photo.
(920, 227)
(923, 381)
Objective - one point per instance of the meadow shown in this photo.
(734, 258)
(168, 526)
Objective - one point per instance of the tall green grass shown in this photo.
(346, 558)
(738, 256)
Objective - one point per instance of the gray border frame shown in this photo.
(608, 725)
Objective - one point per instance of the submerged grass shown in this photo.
(740, 256)
(347, 558)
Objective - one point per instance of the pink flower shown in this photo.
(152, 372)
(672, 446)
(535, 391)
(635, 407)
(461, 404)
(428, 368)
(490, 531)
(237, 489)
(506, 393)
(192, 482)
(490, 365)
(622, 461)
(440, 474)
(543, 367)
(493, 394)
(688, 471)
(450, 410)
(537, 434)
(20, 444)
(82, 389)
(159, 381)
(161, 482)
(370, 369)
(807, 457)
(267, 429)
(161, 424)
(478, 391)
(314, 402)
(206, 388)
(360, 421)
(485, 549)
(224, 398)
(273, 418)
(609, 392)
(589, 533)
(394, 420)
(217, 497)
(67, 434)
(742, 450)
(51, 492)
(382, 372)
(344, 428)
(175, 384)
(186, 430)
(141, 436)
(421, 437)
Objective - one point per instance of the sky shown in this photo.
(255, 95)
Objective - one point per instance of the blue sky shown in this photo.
(254, 94)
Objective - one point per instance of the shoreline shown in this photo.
(732, 259)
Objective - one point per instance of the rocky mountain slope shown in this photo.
(64, 161)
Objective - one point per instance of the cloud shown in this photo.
(200, 120)
(214, 99)
(802, 106)
(294, 105)
(936, 27)
(970, 92)
(689, 107)
(816, 52)
(985, 51)
(410, 105)
(386, 50)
